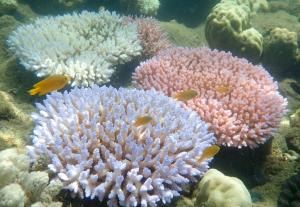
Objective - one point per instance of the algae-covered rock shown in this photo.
(290, 192)
(290, 89)
(293, 139)
(228, 28)
(281, 50)
(295, 119)
(217, 190)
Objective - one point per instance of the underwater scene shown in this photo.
(145, 103)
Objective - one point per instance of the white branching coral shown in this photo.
(86, 46)
(97, 151)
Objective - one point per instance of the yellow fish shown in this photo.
(142, 120)
(49, 84)
(186, 95)
(223, 89)
(209, 152)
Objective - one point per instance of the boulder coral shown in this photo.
(218, 190)
(228, 28)
(281, 50)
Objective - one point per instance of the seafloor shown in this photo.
(184, 22)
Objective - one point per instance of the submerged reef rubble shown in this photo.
(98, 153)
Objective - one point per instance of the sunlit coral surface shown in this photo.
(239, 100)
(97, 151)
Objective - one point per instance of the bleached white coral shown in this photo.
(86, 46)
(97, 151)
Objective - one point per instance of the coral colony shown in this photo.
(85, 46)
(98, 150)
(240, 101)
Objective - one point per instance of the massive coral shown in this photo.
(85, 46)
(228, 27)
(240, 101)
(97, 151)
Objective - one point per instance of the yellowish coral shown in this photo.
(228, 27)
(15, 122)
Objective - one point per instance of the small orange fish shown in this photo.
(209, 152)
(186, 95)
(142, 120)
(223, 89)
(49, 84)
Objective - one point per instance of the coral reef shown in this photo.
(281, 50)
(15, 122)
(240, 101)
(290, 193)
(152, 38)
(290, 89)
(19, 187)
(142, 7)
(295, 119)
(97, 151)
(228, 28)
(291, 6)
(217, 190)
(181, 35)
(85, 46)
(70, 3)
(8, 6)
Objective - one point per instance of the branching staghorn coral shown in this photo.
(97, 151)
(85, 46)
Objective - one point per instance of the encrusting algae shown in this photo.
(49, 84)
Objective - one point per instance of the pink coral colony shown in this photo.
(239, 100)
